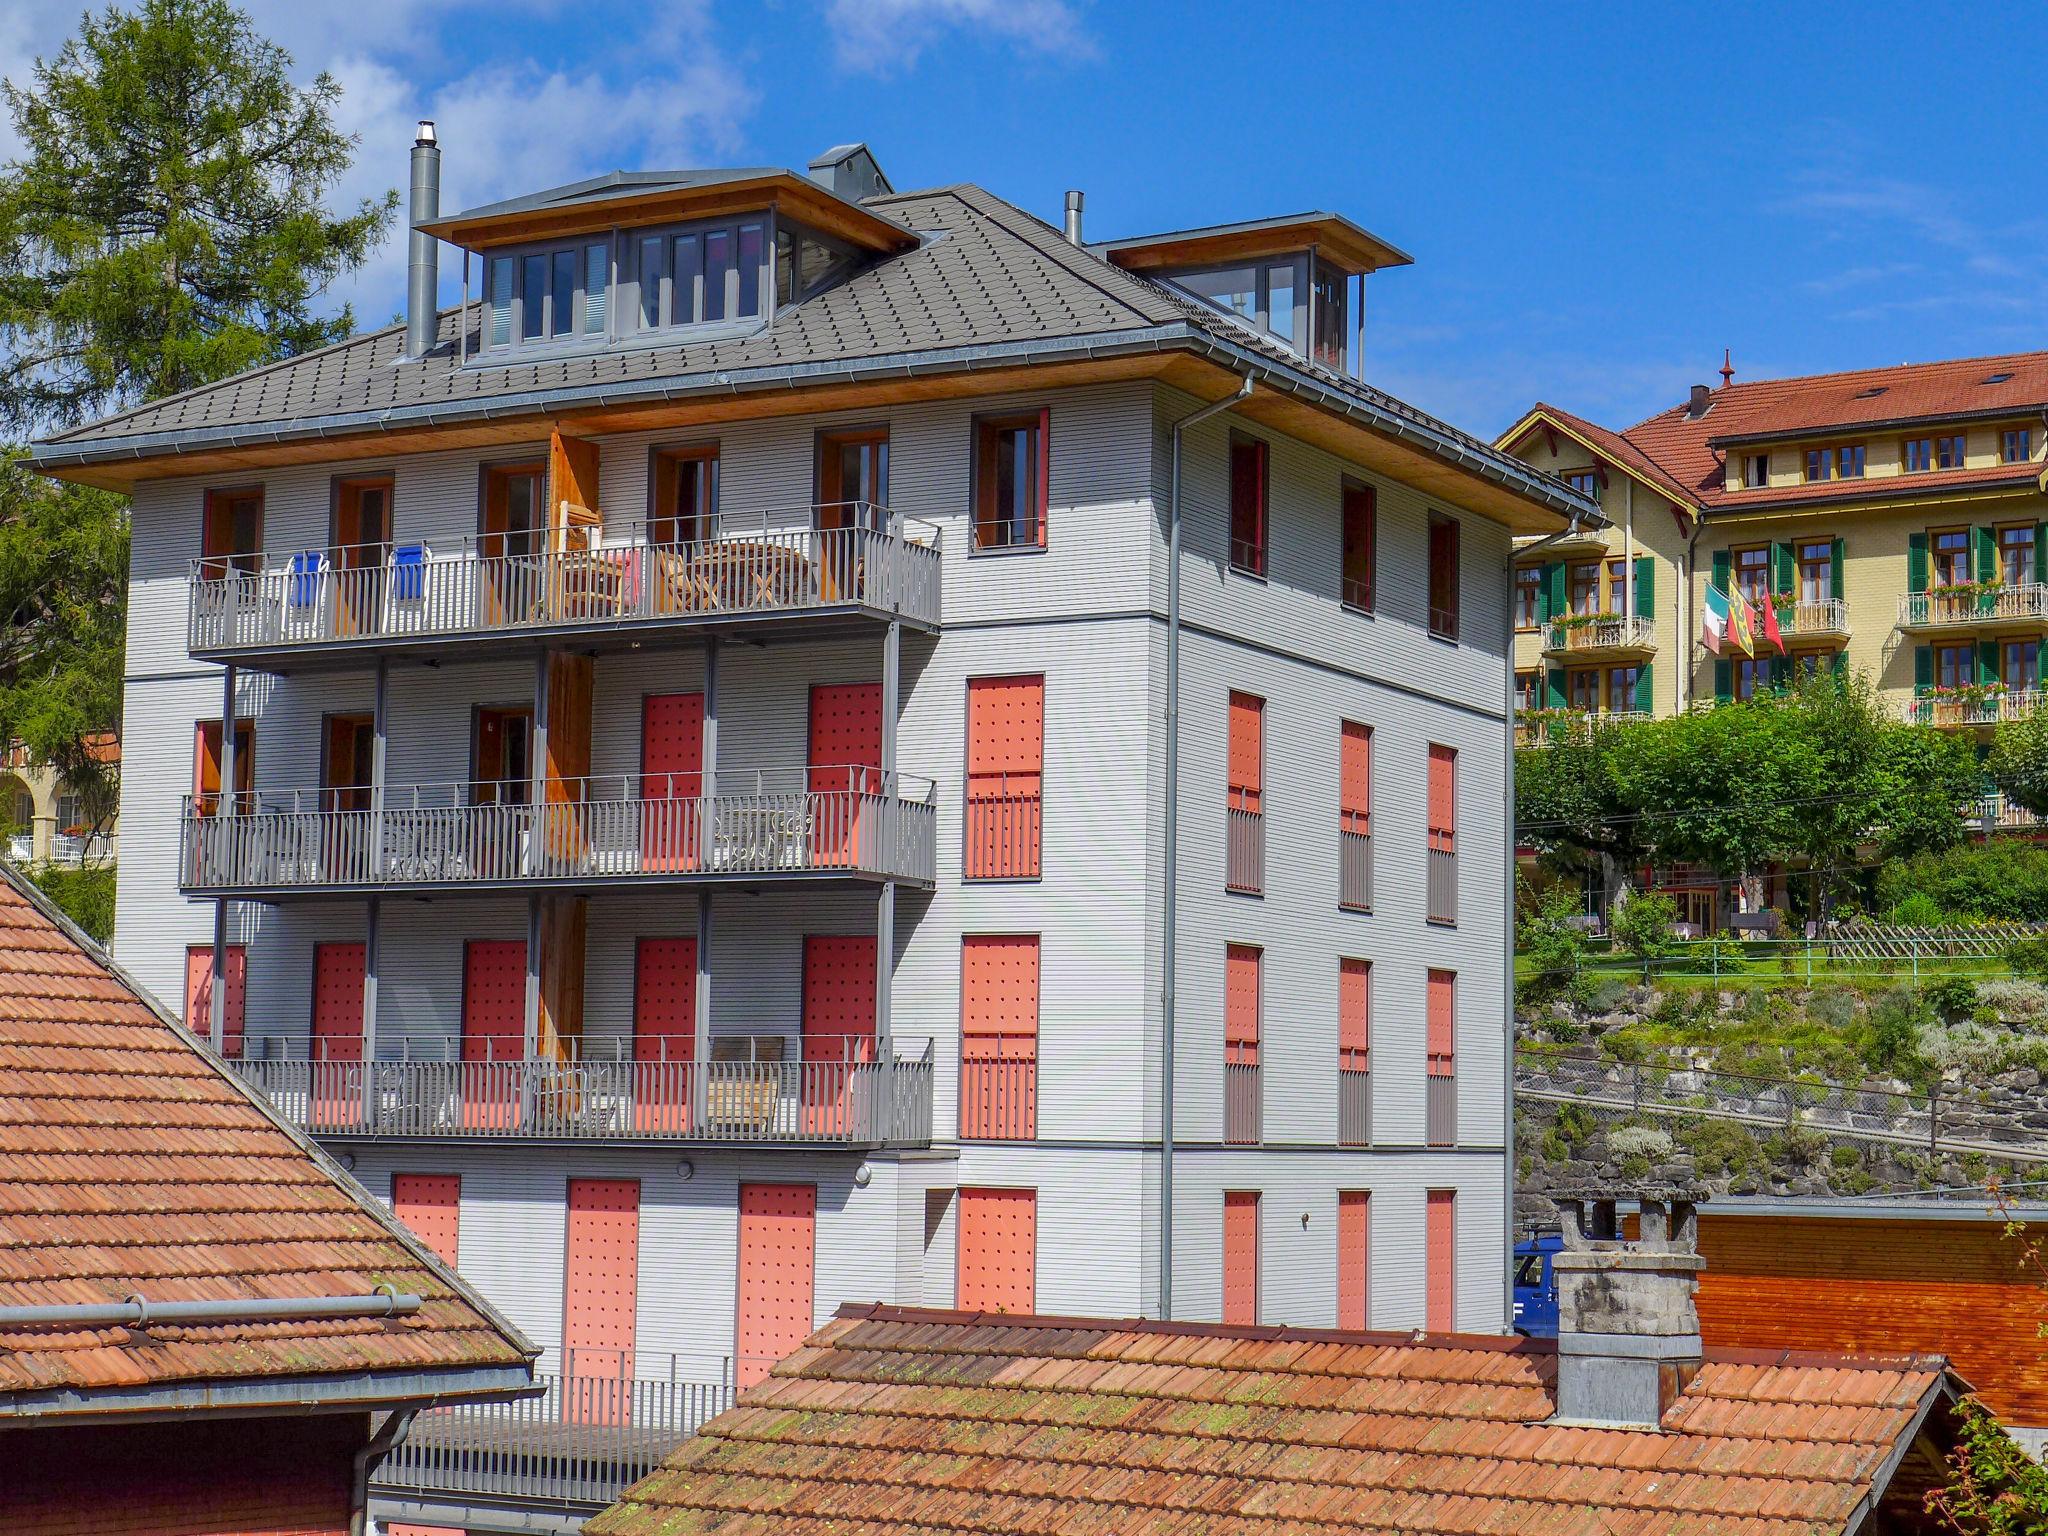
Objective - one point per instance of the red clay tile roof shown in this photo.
(892, 1422)
(1612, 444)
(130, 1161)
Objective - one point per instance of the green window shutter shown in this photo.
(1780, 671)
(1835, 571)
(1557, 687)
(1553, 582)
(1724, 683)
(1643, 697)
(1782, 579)
(1839, 662)
(1646, 586)
(1987, 661)
(1916, 563)
(1987, 563)
(1723, 564)
(1923, 668)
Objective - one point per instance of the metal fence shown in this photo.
(754, 564)
(1597, 634)
(584, 1441)
(1859, 951)
(1441, 880)
(999, 1087)
(613, 827)
(1354, 871)
(1004, 827)
(1244, 853)
(1440, 1116)
(1243, 1105)
(843, 1096)
(1354, 1107)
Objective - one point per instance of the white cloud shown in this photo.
(884, 37)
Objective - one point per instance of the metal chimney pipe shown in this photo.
(1073, 218)
(423, 259)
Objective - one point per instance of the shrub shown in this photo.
(2028, 957)
(1918, 910)
(1892, 1043)
(1556, 949)
(1953, 998)
(1642, 926)
(2014, 1002)
(2002, 878)
(86, 896)
(1644, 1141)
(1835, 1007)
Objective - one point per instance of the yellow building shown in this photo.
(1892, 520)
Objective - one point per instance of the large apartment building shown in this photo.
(816, 743)
(1892, 518)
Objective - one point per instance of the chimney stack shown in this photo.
(1702, 399)
(423, 257)
(1073, 227)
(1628, 1334)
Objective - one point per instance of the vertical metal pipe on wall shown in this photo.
(372, 960)
(224, 811)
(707, 758)
(885, 901)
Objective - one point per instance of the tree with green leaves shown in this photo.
(164, 224)
(2018, 763)
(1568, 805)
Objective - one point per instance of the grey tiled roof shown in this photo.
(988, 283)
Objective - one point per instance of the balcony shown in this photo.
(1824, 619)
(580, 1444)
(2018, 609)
(765, 569)
(1546, 727)
(1968, 707)
(843, 1097)
(1600, 637)
(618, 830)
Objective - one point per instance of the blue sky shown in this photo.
(1599, 199)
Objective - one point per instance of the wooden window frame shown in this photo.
(477, 783)
(2023, 438)
(1445, 620)
(1936, 582)
(1262, 509)
(662, 462)
(1756, 471)
(1921, 448)
(1998, 546)
(1530, 576)
(1956, 444)
(1801, 565)
(983, 433)
(1736, 569)
(1590, 474)
(216, 563)
(1360, 594)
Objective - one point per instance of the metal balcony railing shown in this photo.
(1243, 1104)
(2023, 602)
(1972, 706)
(1244, 850)
(1545, 727)
(1441, 880)
(1354, 869)
(1005, 826)
(1569, 637)
(999, 1087)
(843, 1095)
(754, 565)
(585, 1440)
(836, 821)
(1822, 616)
(1354, 1106)
(1440, 1111)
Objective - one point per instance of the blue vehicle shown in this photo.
(1536, 1285)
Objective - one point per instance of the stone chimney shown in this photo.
(1701, 402)
(1628, 1335)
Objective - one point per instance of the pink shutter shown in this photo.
(1354, 778)
(600, 1297)
(1354, 1015)
(664, 1032)
(199, 995)
(1240, 1256)
(778, 1253)
(1440, 1260)
(999, 1036)
(838, 1024)
(1443, 1013)
(1354, 1239)
(1443, 799)
(997, 1260)
(430, 1205)
(493, 1031)
(1241, 1005)
(1247, 751)
(1005, 775)
(845, 766)
(671, 779)
(338, 978)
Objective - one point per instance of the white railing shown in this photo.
(844, 1094)
(1825, 616)
(1633, 633)
(772, 561)
(1972, 707)
(1995, 813)
(1542, 728)
(1941, 607)
(630, 827)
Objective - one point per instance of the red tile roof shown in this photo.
(131, 1161)
(1616, 447)
(891, 1422)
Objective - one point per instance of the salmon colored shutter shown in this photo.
(665, 1000)
(1240, 1256)
(839, 997)
(1440, 1259)
(1443, 799)
(199, 995)
(600, 1294)
(1241, 1005)
(338, 973)
(1247, 751)
(1354, 778)
(999, 1036)
(430, 1205)
(778, 1252)
(845, 764)
(1443, 991)
(997, 1262)
(1354, 1015)
(1354, 1240)
(493, 999)
(1005, 769)
(671, 777)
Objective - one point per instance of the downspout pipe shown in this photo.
(387, 1439)
(139, 1311)
(1170, 936)
(1515, 556)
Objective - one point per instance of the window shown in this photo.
(1950, 548)
(231, 534)
(999, 1036)
(597, 266)
(653, 282)
(2016, 554)
(1753, 572)
(853, 482)
(1817, 462)
(1582, 688)
(1010, 464)
(562, 294)
(1816, 572)
(1354, 1053)
(1248, 493)
(1843, 463)
(1245, 840)
(1439, 1261)
(1617, 586)
(501, 286)
(1955, 666)
(997, 1260)
(199, 995)
(1005, 777)
(685, 498)
(1354, 817)
(206, 765)
(1621, 688)
(1443, 576)
(501, 748)
(1747, 677)
(1241, 1256)
(2019, 666)
(1528, 596)
(1584, 582)
(1354, 1239)
(1269, 296)
(2015, 445)
(345, 772)
(1585, 481)
(805, 263)
(1919, 454)
(1528, 690)
(513, 519)
(1241, 1009)
(1442, 874)
(1361, 545)
(1948, 452)
(1756, 471)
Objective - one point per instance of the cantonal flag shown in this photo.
(1741, 624)
(1714, 621)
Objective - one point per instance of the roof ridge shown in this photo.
(1732, 388)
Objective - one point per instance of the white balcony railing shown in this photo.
(754, 565)
(1970, 707)
(622, 827)
(1944, 608)
(1579, 637)
(1543, 727)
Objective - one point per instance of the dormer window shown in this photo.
(1273, 296)
(548, 294)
